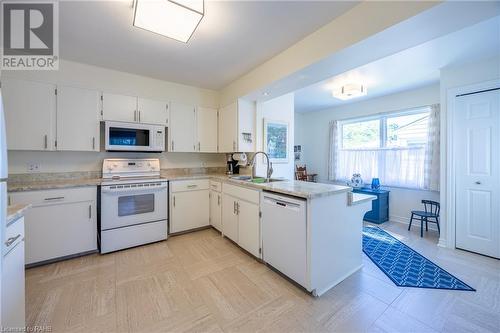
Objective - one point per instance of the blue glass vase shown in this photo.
(375, 184)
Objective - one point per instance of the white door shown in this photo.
(216, 210)
(182, 128)
(119, 108)
(30, 111)
(189, 210)
(228, 123)
(249, 227)
(229, 217)
(60, 230)
(152, 111)
(78, 114)
(477, 161)
(206, 119)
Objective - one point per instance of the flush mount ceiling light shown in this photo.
(174, 19)
(349, 91)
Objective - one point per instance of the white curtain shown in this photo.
(332, 157)
(431, 170)
(409, 167)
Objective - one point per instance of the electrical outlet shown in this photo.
(33, 167)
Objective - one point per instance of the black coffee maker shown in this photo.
(232, 167)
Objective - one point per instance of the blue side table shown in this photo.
(380, 207)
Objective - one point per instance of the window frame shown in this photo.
(382, 117)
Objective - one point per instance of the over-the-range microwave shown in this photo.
(133, 137)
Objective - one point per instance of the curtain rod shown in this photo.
(386, 112)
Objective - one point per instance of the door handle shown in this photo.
(11, 240)
(234, 145)
(135, 115)
(478, 182)
(93, 143)
(199, 146)
(139, 115)
(234, 207)
(218, 200)
(172, 145)
(173, 200)
(90, 212)
(192, 186)
(54, 198)
(45, 142)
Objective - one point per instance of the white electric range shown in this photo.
(133, 204)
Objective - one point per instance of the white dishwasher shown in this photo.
(284, 235)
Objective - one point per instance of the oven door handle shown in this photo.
(133, 190)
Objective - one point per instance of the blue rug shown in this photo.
(404, 266)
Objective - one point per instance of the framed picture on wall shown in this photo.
(276, 140)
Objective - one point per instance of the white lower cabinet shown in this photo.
(229, 217)
(189, 205)
(215, 205)
(241, 217)
(249, 227)
(60, 223)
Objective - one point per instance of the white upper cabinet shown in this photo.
(78, 114)
(152, 111)
(237, 127)
(119, 107)
(182, 130)
(206, 119)
(228, 119)
(30, 111)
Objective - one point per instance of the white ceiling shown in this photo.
(233, 38)
(411, 68)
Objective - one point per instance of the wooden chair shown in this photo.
(429, 214)
(301, 174)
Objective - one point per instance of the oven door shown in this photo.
(132, 204)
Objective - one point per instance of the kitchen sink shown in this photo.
(257, 180)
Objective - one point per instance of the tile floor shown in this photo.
(202, 282)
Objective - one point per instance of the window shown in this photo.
(392, 147)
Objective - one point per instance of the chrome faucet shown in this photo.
(269, 170)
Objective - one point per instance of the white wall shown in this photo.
(282, 109)
(92, 77)
(454, 77)
(314, 139)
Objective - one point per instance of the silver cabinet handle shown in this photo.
(234, 145)
(11, 240)
(199, 146)
(93, 143)
(45, 142)
(172, 145)
(90, 212)
(135, 115)
(218, 200)
(173, 200)
(54, 198)
(192, 186)
(237, 208)
(139, 115)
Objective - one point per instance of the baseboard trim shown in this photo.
(406, 220)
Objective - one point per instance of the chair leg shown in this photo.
(437, 222)
(411, 220)
(426, 224)
(421, 226)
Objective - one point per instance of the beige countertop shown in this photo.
(16, 211)
(296, 188)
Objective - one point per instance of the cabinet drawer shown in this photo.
(189, 185)
(47, 197)
(215, 186)
(241, 193)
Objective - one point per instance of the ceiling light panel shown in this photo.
(173, 19)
